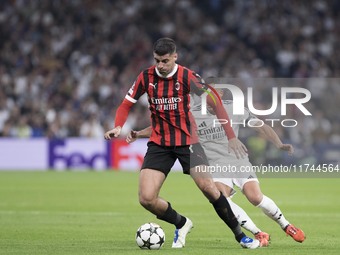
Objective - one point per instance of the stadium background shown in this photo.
(66, 65)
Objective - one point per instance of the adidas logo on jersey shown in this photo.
(203, 124)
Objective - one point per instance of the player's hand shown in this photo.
(287, 147)
(237, 147)
(131, 137)
(112, 133)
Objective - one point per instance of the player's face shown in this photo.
(166, 63)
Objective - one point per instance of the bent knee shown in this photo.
(208, 187)
(255, 199)
(147, 201)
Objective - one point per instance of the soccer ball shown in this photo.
(150, 236)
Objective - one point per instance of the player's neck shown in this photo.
(174, 70)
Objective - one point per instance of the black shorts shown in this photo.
(162, 158)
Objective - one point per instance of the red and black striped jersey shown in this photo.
(169, 103)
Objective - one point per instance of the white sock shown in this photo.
(273, 211)
(243, 218)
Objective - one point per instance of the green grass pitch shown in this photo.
(98, 213)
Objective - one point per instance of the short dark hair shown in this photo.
(164, 46)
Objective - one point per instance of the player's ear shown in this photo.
(175, 56)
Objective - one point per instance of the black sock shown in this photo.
(171, 216)
(223, 210)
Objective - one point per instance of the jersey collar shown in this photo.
(170, 74)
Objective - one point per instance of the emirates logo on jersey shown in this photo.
(210, 133)
(166, 103)
(165, 100)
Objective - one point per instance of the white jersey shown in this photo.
(215, 144)
(211, 133)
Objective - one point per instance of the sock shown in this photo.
(243, 219)
(273, 211)
(224, 211)
(171, 216)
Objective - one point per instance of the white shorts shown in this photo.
(234, 172)
(238, 182)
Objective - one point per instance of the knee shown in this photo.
(147, 201)
(253, 193)
(255, 199)
(209, 188)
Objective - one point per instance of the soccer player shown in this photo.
(213, 141)
(244, 220)
(173, 137)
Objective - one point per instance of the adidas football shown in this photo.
(150, 236)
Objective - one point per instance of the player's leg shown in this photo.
(222, 207)
(198, 171)
(252, 191)
(224, 185)
(243, 218)
(150, 183)
(157, 164)
(149, 186)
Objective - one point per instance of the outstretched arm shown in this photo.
(269, 134)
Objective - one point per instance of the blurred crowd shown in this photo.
(66, 65)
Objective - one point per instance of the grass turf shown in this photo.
(98, 213)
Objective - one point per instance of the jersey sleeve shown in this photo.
(197, 84)
(198, 87)
(134, 93)
(137, 90)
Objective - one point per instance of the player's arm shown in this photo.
(134, 135)
(121, 116)
(123, 110)
(269, 134)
